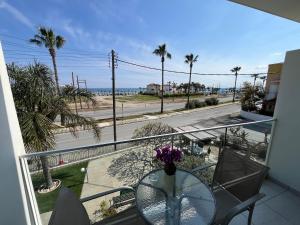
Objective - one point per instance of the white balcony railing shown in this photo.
(200, 146)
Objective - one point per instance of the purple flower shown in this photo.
(168, 155)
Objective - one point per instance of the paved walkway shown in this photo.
(98, 180)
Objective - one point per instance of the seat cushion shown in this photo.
(68, 210)
(225, 201)
(129, 216)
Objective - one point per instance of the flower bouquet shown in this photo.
(168, 155)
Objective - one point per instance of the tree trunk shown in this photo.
(46, 171)
(162, 86)
(233, 98)
(189, 88)
(52, 53)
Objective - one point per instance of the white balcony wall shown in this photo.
(284, 157)
(13, 201)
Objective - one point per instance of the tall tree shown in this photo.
(47, 38)
(255, 77)
(37, 105)
(162, 52)
(190, 59)
(235, 70)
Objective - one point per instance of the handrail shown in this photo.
(86, 147)
(101, 194)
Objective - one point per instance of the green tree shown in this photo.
(249, 96)
(37, 106)
(235, 70)
(47, 38)
(71, 93)
(190, 59)
(162, 52)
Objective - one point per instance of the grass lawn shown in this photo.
(70, 176)
(137, 98)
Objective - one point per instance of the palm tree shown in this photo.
(47, 38)
(38, 105)
(190, 59)
(70, 93)
(235, 70)
(161, 51)
(255, 77)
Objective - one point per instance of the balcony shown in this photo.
(112, 165)
(281, 205)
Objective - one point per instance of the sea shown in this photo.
(131, 91)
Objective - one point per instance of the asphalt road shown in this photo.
(139, 110)
(202, 116)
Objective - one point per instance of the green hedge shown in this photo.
(198, 104)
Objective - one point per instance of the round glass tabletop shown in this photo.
(178, 199)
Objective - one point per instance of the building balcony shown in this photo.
(90, 170)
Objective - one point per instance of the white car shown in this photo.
(258, 104)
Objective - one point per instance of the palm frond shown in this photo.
(36, 41)
(169, 56)
(36, 131)
(60, 41)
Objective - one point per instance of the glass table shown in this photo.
(178, 199)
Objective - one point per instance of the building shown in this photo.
(272, 88)
(273, 81)
(155, 89)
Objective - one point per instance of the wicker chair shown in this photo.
(69, 210)
(236, 184)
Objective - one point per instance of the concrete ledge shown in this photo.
(253, 116)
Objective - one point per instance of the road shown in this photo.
(139, 109)
(125, 131)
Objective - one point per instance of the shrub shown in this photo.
(262, 154)
(106, 210)
(191, 104)
(202, 104)
(195, 104)
(212, 101)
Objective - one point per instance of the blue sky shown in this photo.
(222, 33)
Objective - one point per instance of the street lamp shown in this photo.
(84, 170)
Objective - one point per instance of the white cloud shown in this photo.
(261, 67)
(75, 31)
(276, 54)
(16, 13)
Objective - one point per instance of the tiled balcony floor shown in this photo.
(278, 207)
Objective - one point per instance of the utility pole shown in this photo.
(78, 90)
(233, 97)
(73, 84)
(87, 102)
(113, 95)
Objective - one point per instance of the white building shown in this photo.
(156, 89)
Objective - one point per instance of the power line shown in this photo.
(182, 72)
(30, 46)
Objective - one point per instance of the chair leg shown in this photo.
(251, 209)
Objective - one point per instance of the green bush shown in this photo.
(195, 104)
(212, 101)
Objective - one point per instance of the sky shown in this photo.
(222, 33)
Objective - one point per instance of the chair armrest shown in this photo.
(243, 206)
(202, 167)
(106, 193)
